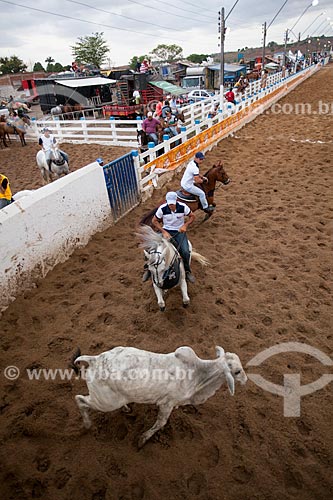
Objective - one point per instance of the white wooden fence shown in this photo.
(124, 132)
(82, 197)
(158, 159)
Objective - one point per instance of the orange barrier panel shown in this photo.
(179, 154)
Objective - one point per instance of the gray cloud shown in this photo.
(34, 35)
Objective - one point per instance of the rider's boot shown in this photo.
(209, 209)
(189, 277)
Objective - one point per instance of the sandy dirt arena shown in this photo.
(19, 163)
(269, 282)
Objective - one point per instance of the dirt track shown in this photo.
(268, 283)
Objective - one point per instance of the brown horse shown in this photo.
(12, 129)
(253, 75)
(3, 137)
(67, 111)
(215, 173)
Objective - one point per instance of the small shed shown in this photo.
(232, 73)
(89, 92)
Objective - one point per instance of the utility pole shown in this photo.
(285, 46)
(222, 30)
(264, 47)
(222, 38)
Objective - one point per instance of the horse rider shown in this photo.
(169, 124)
(5, 192)
(46, 141)
(191, 177)
(169, 219)
(152, 127)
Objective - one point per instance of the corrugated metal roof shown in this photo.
(84, 82)
(230, 68)
(168, 87)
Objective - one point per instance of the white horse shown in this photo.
(165, 264)
(59, 165)
(57, 110)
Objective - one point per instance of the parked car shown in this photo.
(198, 95)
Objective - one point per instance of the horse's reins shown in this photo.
(156, 264)
(175, 257)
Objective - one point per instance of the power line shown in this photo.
(185, 10)
(121, 15)
(278, 12)
(197, 6)
(232, 8)
(82, 20)
(164, 11)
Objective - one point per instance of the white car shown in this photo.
(198, 95)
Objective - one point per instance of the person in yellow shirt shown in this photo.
(5, 192)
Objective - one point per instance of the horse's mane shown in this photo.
(219, 165)
(147, 218)
(150, 240)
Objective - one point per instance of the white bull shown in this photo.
(128, 375)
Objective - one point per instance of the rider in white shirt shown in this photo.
(191, 176)
(46, 141)
(169, 219)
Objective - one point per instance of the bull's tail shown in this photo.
(76, 359)
(200, 258)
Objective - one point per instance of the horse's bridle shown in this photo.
(155, 265)
(159, 261)
(61, 160)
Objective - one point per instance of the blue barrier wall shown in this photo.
(122, 185)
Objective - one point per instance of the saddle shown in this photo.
(59, 163)
(185, 196)
(171, 275)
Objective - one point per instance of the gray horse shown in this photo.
(59, 165)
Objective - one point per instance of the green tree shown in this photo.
(49, 60)
(197, 58)
(91, 49)
(57, 67)
(272, 45)
(38, 67)
(135, 59)
(11, 64)
(167, 53)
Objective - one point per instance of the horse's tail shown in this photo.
(148, 217)
(200, 258)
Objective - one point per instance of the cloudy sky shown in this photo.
(31, 30)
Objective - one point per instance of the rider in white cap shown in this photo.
(46, 142)
(191, 177)
(170, 220)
